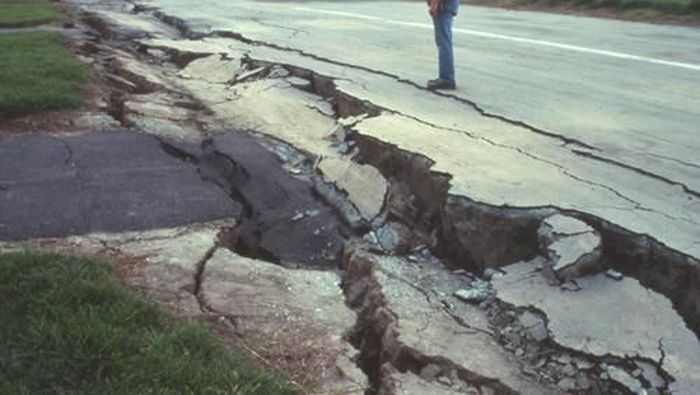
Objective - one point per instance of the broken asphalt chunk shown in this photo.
(571, 247)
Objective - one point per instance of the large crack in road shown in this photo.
(439, 293)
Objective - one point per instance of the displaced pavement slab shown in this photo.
(609, 317)
(214, 68)
(499, 174)
(571, 246)
(626, 89)
(497, 162)
(162, 262)
(54, 186)
(276, 108)
(270, 106)
(364, 184)
(410, 311)
(283, 219)
(59, 185)
(297, 313)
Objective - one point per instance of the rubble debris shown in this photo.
(614, 274)
(567, 384)
(491, 273)
(395, 238)
(587, 322)
(278, 72)
(535, 327)
(299, 83)
(571, 247)
(403, 322)
(625, 379)
(650, 374)
(249, 74)
(477, 292)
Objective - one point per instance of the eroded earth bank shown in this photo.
(311, 216)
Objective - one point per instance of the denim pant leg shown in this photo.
(443, 38)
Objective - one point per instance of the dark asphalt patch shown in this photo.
(283, 220)
(54, 186)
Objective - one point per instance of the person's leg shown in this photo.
(442, 25)
(443, 38)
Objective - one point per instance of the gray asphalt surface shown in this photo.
(53, 185)
(100, 182)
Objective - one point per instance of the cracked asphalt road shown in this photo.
(628, 90)
(100, 182)
(583, 114)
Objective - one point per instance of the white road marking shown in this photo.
(523, 40)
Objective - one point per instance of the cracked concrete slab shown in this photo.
(421, 322)
(162, 127)
(119, 22)
(275, 108)
(500, 175)
(608, 317)
(571, 246)
(144, 74)
(604, 105)
(149, 106)
(59, 185)
(622, 195)
(365, 186)
(214, 68)
(300, 310)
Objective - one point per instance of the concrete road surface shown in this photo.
(594, 115)
(630, 90)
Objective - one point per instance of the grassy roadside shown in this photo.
(67, 326)
(24, 13)
(37, 73)
(651, 10)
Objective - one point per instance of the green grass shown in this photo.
(67, 326)
(675, 7)
(679, 10)
(23, 13)
(37, 73)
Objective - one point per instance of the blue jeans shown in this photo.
(442, 24)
